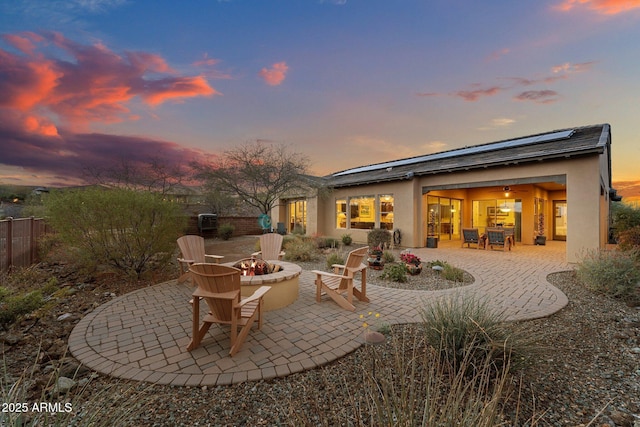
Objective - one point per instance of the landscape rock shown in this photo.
(63, 385)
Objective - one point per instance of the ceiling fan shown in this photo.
(508, 191)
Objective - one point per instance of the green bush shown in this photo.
(449, 272)
(624, 216)
(467, 332)
(326, 242)
(225, 231)
(379, 237)
(347, 240)
(11, 307)
(613, 273)
(125, 229)
(388, 257)
(300, 250)
(334, 258)
(396, 272)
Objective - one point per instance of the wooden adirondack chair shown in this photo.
(471, 236)
(219, 286)
(341, 280)
(497, 237)
(192, 249)
(270, 247)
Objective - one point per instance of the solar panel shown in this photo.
(463, 151)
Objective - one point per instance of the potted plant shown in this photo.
(375, 258)
(541, 239)
(412, 262)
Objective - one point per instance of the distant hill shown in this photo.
(629, 190)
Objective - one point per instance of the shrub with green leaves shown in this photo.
(396, 272)
(613, 273)
(225, 231)
(334, 258)
(379, 237)
(388, 257)
(300, 250)
(125, 229)
(449, 272)
(467, 332)
(346, 239)
(13, 306)
(624, 216)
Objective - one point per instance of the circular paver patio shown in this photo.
(143, 335)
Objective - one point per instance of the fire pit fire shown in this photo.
(256, 267)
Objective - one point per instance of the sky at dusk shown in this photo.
(346, 82)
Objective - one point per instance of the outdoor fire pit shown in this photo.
(282, 276)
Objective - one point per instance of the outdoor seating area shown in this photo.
(219, 287)
(130, 338)
(341, 281)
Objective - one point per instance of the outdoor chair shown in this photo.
(219, 286)
(497, 237)
(471, 236)
(341, 280)
(192, 250)
(510, 234)
(270, 247)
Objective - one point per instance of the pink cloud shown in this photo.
(538, 96)
(95, 85)
(605, 7)
(276, 75)
(474, 95)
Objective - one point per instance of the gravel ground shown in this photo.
(587, 374)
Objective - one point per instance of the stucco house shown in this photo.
(555, 184)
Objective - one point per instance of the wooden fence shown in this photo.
(19, 242)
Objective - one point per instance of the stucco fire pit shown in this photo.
(284, 284)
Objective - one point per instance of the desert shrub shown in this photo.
(300, 250)
(335, 258)
(629, 239)
(468, 333)
(624, 216)
(379, 237)
(396, 272)
(449, 272)
(613, 273)
(326, 242)
(388, 257)
(225, 231)
(346, 239)
(13, 306)
(125, 229)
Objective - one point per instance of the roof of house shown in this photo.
(556, 144)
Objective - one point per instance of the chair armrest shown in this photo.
(204, 294)
(215, 257)
(328, 274)
(188, 261)
(259, 293)
(256, 253)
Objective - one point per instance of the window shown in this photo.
(341, 213)
(386, 211)
(362, 212)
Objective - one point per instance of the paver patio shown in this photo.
(143, 335)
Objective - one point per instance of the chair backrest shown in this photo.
(270, 246)
(353, 264)
(470, 235)
(221, 280)
(496, 237)
(192, 247)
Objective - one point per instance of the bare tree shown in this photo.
(258, 173)
(157, 175)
